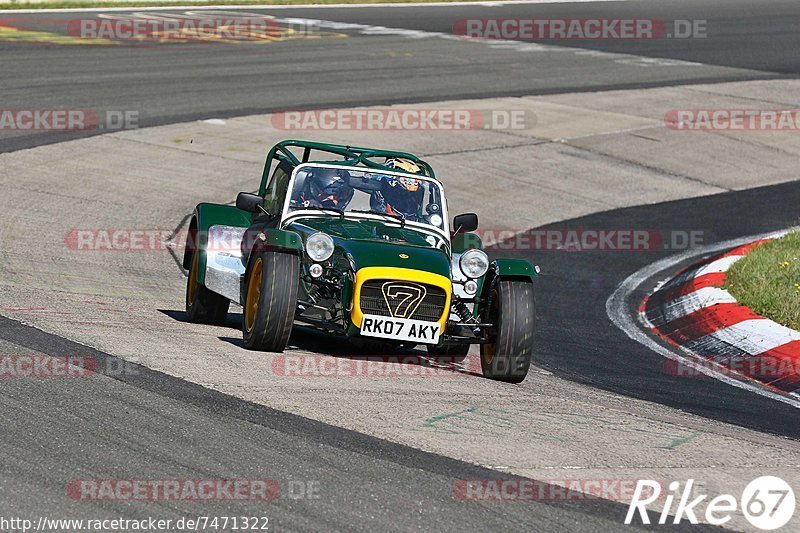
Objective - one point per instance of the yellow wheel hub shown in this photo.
(253, 295)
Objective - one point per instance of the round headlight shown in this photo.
(435, 220)
(315, 270)
(319, 247)
(471, 287)
(474, 263)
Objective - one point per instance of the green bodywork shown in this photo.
(512, 268)
(358, 243)
(206, 215)
(373, 243)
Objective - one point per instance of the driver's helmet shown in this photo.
(400, 195)
(406, 165)
(327, 187)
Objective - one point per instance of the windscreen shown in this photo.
(395, 196)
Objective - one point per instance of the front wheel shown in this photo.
(507, 356)
(271, 300)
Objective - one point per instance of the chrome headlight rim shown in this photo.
(319, 247)
(474, 263)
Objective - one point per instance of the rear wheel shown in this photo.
(271, 301)
(203, 306)
(510, 307)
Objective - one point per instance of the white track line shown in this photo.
(310, 6)
(617, 310)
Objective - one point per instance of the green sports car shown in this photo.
(357, 242)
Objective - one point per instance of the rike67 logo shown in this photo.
(767, 503)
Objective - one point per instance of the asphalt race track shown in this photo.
(577, 324)
(211, 435)
(172, 418)
(168, 84)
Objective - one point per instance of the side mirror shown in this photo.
(464, 223)
(252, 203)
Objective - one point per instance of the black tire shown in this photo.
(203, 306)
(270, 301)
(450, 353)
(510, 306)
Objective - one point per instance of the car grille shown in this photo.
(401, 299)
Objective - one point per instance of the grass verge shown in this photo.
(89, 3)
(767, 280)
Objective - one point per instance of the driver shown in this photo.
(400, 195)
(325, 187)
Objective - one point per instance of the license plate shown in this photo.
(401, 329)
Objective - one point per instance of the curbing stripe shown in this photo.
(682, 285)
(718, 266)
(787, 360)
(694, 301)
(694, 312)
(754, 337)
(747, 248)
(716, 279)
(696, 276)
(706, 321)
